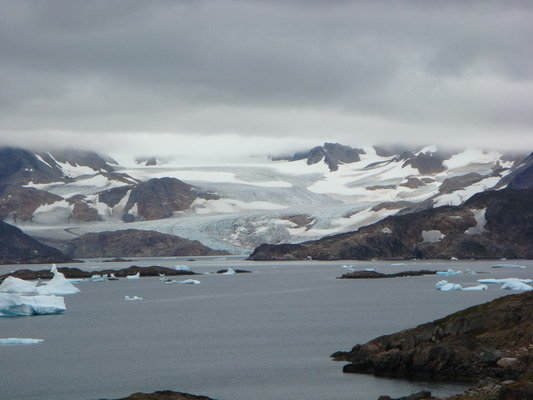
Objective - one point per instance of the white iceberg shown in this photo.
(20, 341)
(517, 285)
(508, 266)
(99, 278)
(136, 276)
(446, 286)
(370, 269)
(14, 305)
(454, 259)
(132, 298)
(17, 285)
(478, 287)
(58, 285)
(229, 272)
(189, 282)
(449, 272)
(182, 268)
(503, 281)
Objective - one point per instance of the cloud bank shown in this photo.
(114, 75)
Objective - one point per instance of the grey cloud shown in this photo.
(262, 68)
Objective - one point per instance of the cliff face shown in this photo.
(135, 243)
(491, 224)
(17, 247)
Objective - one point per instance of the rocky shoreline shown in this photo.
(76, 273)
(165, 395)
(489, 344)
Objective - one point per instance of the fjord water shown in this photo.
(265, 335)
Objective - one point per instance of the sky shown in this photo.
(249, 77)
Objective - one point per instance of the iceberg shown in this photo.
(182, 268)
(58, 285)
(136, 276)
(446, 286)
(503, 281)
(189, 282)
(20, 341)
(508, 266)
(17, 285)
(99, 278)
(478, 287)
(132, 298)
(517, 285)
(449, 272)
(370, 269)
(228, 272)
(12, 305)
(454, 259)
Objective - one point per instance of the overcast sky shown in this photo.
(253, 76)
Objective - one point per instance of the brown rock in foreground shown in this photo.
(491, 341)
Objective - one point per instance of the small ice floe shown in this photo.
(449, 272)
(189, 282)
(17, 285)
(58, 285)
(182, 268)
(370, 269)
(10, 341)
(454, 259)
(349, 267)
(112, 277)
(136, 276)
(516, 285)
(397, 264)
(503, 281)
(12, 305)
(230, 271)
(132, 298)
(99, 278)
(446, 286)
(478, 287)
(508, 266)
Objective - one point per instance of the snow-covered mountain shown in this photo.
(285, 199)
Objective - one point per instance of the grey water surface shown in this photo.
(264, 335)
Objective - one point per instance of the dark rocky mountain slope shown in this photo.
(17, 247)
(491, 224)
(135, 243)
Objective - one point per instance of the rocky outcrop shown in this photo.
(135, 243)
(333, 154)
(164, 395)
(81, 211)
(379, 275)
(16, 247)
(76, 273)
(19, 203)
(19, 167)
(154, 199)
(489, 343)
(491, 224)
(467, 345)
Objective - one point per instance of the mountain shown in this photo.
(135, 243)
(491, 224)
(327, 190)
(332, 154)
(17, 247)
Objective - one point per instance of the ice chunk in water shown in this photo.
(182, 268)
(15, 305)
(16, 285)
(58, 285)
(189, 282)
(516, 285)
(136, 276)
(20, 341)
(446, 286)
(508, 266)
(449, 272)
(132, 298)
(503, 281)
(228, 272)
(478, 287)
